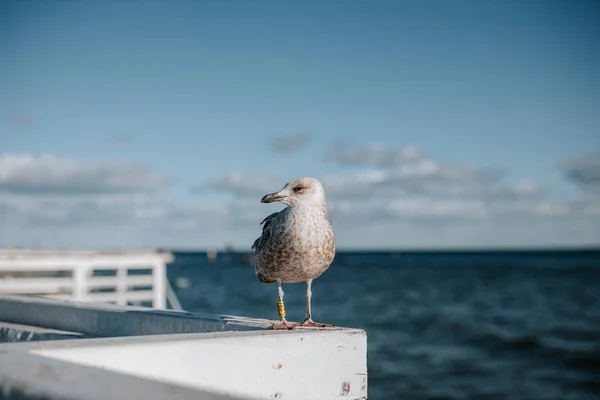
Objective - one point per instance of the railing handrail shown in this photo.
(7, 254)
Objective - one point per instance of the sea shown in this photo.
(440, 325)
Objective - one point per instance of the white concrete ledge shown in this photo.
(183, 355)
(247, 365)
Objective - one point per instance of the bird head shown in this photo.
(299, 192)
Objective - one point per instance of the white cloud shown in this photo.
(432, 180)
(50, 174)
(242, 184)
(406, 188)
(446, 209)
(418, 202)
(410, 172)
(550, 209)
(362, 184)
(78, 210)
(113, 220)
(583, 171)
(374, 154)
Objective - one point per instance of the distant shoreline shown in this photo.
(549, 250)
(371, 251)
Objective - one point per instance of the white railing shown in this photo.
(125, 278)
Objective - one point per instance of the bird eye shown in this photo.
(297, 188)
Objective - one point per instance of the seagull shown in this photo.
(297, 244)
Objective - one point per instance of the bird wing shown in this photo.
(260, 242)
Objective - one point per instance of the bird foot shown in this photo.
(310, 322)
(284, 324)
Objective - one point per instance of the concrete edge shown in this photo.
(182, 337)
(25, 333)
(105, 320)
(111, 320)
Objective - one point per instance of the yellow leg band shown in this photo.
(281, 309)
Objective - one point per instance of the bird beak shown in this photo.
(271, 197)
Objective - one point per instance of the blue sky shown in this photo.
(161, 123)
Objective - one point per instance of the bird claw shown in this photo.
(285, 325)
(310, 322)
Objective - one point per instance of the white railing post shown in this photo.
(121, 288)
(80, 282)
(172, 297)
(159, 275)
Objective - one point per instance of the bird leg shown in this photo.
(283, 324)
(308, 321)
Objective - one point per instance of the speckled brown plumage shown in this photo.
(297, 244)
